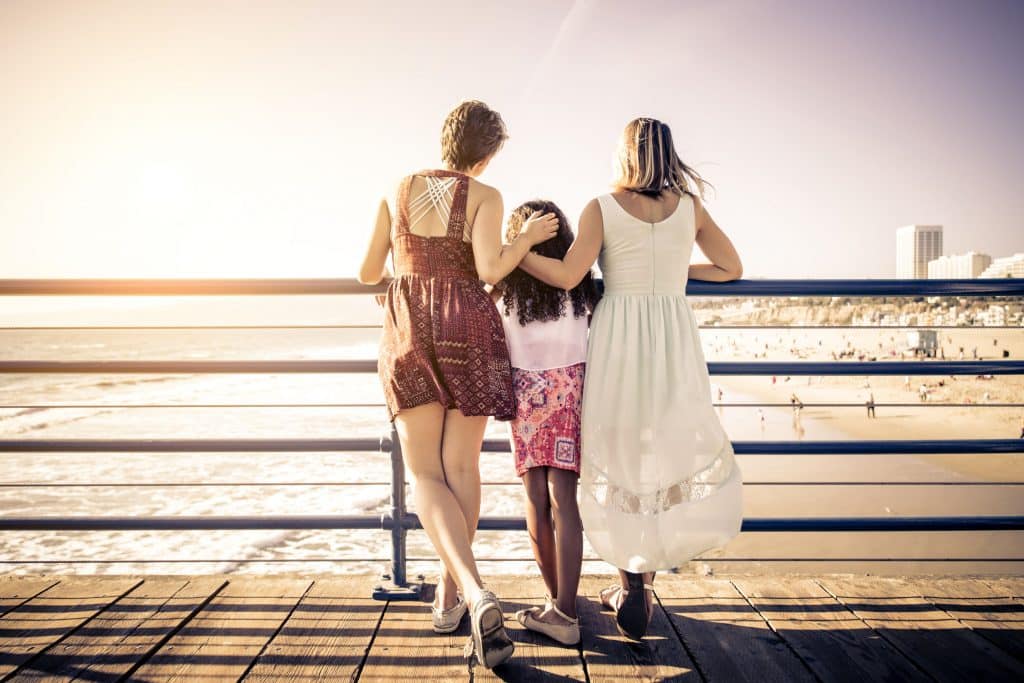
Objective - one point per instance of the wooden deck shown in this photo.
(742, 628)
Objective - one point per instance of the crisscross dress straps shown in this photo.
(444, 194)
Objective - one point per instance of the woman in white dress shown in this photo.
(659, 482)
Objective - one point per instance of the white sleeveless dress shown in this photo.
(659, 482)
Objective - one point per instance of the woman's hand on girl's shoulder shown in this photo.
(539, 227)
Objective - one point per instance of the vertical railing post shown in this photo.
(397, 510)
(395, 586)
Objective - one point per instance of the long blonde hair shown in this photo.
(648, 163)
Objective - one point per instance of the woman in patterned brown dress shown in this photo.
(443, 360)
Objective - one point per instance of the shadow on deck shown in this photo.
(280, 628)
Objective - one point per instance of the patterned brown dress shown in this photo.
(443, 339)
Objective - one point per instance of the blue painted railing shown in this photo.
(398, 520)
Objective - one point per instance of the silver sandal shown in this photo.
(489, 644)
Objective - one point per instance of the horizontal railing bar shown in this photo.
(109, 328)
(68, 406)
(767, 559)
(411, 521)
(974, 367)
(763, 326)
(193, 445)
(294, 560)
(780, 404)
(204, 560)
(858, 447)
(378, 326)
(185, 287)
(194, 522)
(815, 447)
(830, 368)
(190, 484)
(741, 288)
(189, 366)
(858, 287)
(270, 484)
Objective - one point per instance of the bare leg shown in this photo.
(538, 524)
(568, 536)
(460, 460)
(420, 430)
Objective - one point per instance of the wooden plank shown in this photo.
(728, 639)
(327, 635)
(977, 605)
(537, 657)
(15, 590)
(126, 632)
(829, 638)
(941, 646)
(405, 647)
(228, 633)
(35, 625)
(1006, 586)
(613, 657)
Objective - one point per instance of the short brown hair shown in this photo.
(471, 133)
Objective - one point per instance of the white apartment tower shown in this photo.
(916, 245)
(959, 266)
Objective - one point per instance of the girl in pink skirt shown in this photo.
(546, 332)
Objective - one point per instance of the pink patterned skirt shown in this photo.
(546, 429)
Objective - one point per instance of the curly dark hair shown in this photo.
(528, 296)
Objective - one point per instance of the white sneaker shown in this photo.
(448, 620)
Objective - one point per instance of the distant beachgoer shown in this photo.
(923, 392)
(773, 379)
(659, 483)
(871, 405)
(906, 382)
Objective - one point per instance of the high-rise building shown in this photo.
(1007, 266)
(959, 266)
(916, 245)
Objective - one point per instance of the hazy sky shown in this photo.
(237, 139)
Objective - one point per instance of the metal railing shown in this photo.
(398, 520)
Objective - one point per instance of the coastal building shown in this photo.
(958, 266)
(916, 245)
(1007, 266)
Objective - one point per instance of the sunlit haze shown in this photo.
(224, 139)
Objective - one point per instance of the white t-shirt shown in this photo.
(543, 345)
